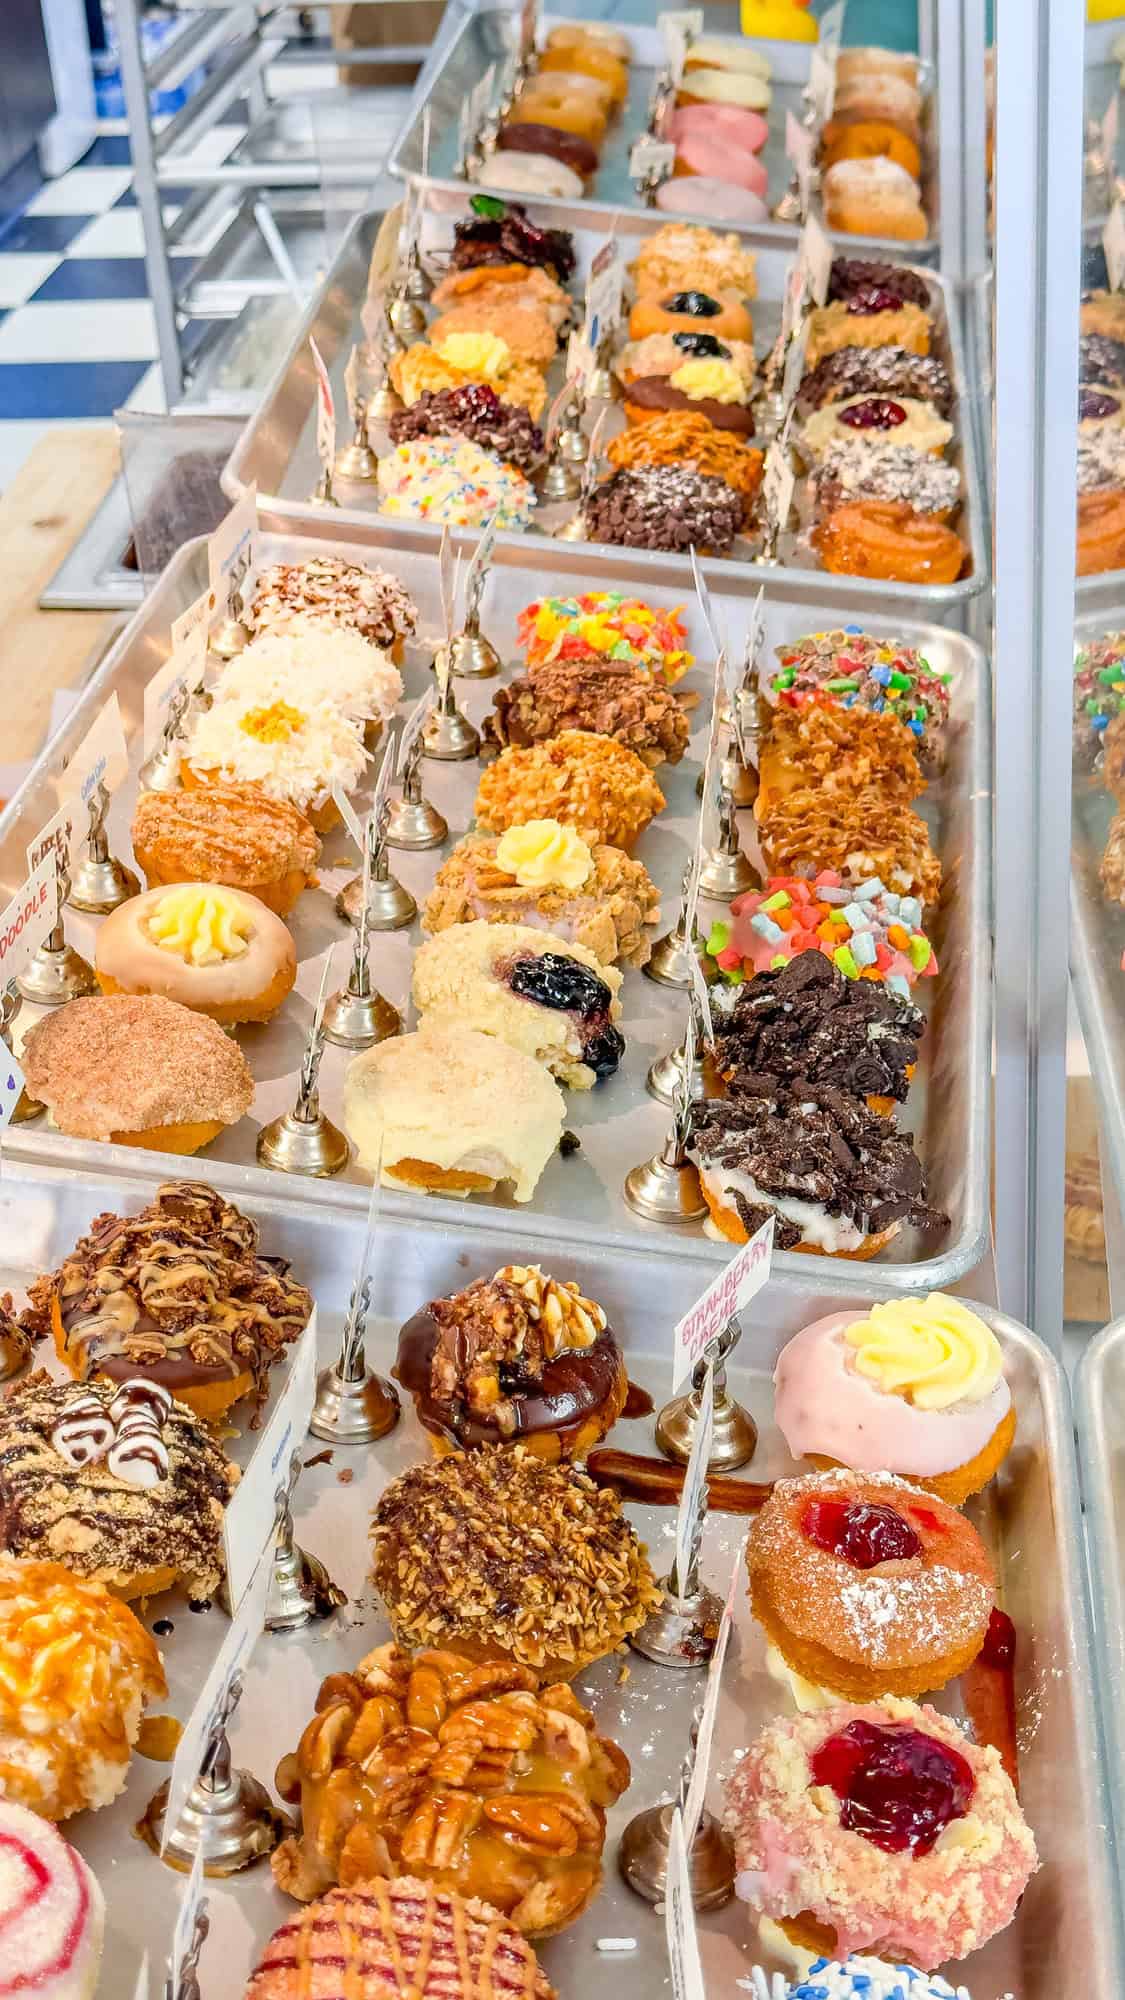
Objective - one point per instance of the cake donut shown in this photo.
(870, 139)
(586, 57)
(531, 173)
(873, 198)
(728, 121)
(701, 194)
(879, 1828)
(572, 150)
(52, 1912)
(725, 86)
(867, 1587)
(1101, 532)
(722, 314)
(720, 158)
(217, 951)
(914, 1386)
(888, 540)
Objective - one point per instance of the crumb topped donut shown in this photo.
(866, 1586)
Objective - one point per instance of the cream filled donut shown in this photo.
(218, 951)
(52, 1913)
(890, 419)
(915, 1386)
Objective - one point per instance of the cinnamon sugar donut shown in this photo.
(867, 1586)
(888, 540)
(1101, 532)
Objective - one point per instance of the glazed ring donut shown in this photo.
(562, 110)
(587, 34)
(868, 1587)
(888, 540)
(223, 952)
(1101, 532)
(870, 139)
(570, 149)
(692, 311)
(585, 58)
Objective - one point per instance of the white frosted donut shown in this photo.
(531, 173)
(218, 951)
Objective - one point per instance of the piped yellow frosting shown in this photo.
(201, 925)
(482, 355)
(543, 854)
(933, 1352)
(717, 380)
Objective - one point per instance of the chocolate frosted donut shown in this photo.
(850, 276)
(664, 507)
(475, 411)
(655, 392)
(881, 371)
(523, 136)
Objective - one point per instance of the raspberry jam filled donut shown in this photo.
(879, 1828)
(867, 1587)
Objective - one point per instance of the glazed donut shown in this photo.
(1101, 532)
(585, 58)
(728, 121)
(885, 539)
(218, 951)
(889, 98)
(724, 86)
(699, 194)
(570, 149)
(853, 64)
(576, 34)
(869, 139)
(718, 157)
(544, 105)
(195, 777)
(722, 314)
(866, 1586)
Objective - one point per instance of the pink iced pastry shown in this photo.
(719, 201)
(867, 931)
(914, 1386)
(52, 1915)
(726, 121)
(884, 1824)
(713, 156)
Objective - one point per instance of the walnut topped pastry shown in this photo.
(607, 697)
(588, 782)
(236, 835)
(177, 1294)
(498, 1556)
(462, 1773)
(122, 1485)
(518, 1357)
(330, 591)
(373, 1938)
(544, 873)
(837, 749)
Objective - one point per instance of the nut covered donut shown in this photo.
(867, 1586)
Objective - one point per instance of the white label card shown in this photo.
(12, 1081)
(29, 918)
(831, 26)
(705, 604)
(141, 1990)
(815, 256)
(243, 1633)
(1113, 243)
(414, 725)
(349, 815)
(679, 1919)
(695, 1481)
(325, 412)
(230, 552)
(101, 758)
(800, 149)
(351, 379)
(822, 84)
(61, 834)
(603, 293)
(651, 159)
(705, 1734)
(793, 372)
(192, 1905)
(728, 1294)
(579, 359)
(677, 29)
(183, 669)
(191, 622)
(248, 1523)
(777, 487)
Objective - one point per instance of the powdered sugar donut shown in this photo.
(700, 194)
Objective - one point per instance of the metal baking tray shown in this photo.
(472, 38)
(619, 1125)
(1099, 1394)
(1064, 1937)
(278, 446)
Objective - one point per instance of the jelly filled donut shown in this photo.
(722, 314)
(888, 540)
(867, 1587)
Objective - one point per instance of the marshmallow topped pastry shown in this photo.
(915, 1387)
(52, 1912)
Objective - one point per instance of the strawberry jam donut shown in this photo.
(867, 1586)
(888, 540)
(879, 1828)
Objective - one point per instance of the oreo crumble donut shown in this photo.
(808, 1020)
(475, 411)
(664, 507)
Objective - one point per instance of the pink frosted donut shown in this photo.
(729, 121)
(886, 1825)
(719, 201)
(718, 158)
(51, 1912)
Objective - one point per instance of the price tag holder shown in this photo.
(230, 552)
(814, 255)
(695, 1480)
(182, 670)
(414, 725)
(29, 918)
(61, 836)
(777, 486)
(102, 757)
(679, 1919)
(800, 151)
(603, 293)
(728, 1294)
(831, 26)
(325, 412)
(242, 1635)
(248, 1522)
(822, 84)
(651, 159)
(193, 1905)
(705, 1734)
(677, 30)
(1113, 243)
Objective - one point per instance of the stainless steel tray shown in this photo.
(278, 446)
(619, 1124)
(1064, 1937)
(474, 38)
(1100, 1409)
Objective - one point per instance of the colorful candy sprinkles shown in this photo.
(868, 931)
(611, 625)
(450, 479)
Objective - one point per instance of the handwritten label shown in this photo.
(230, 553)
(728, 1294)
(182, 671)
(822, 84)
(679, 1919)
(800, 150)
(814, 254)
(248, 1523)
(325, 411)
(705, 1734)
(29, 919)
(193, 1905)
(242, 1635)
(101, 758)
(61, 836)
(1113, 243)
(603, 294)
(695, 1484)
(651, 160)
(677, 30)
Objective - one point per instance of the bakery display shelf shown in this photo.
(475, 38)
(278, 447)
(618, 1124)
(1097, 942)
(1063, 1938)
(1100, 1410)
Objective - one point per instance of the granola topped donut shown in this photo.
(864, 835)
(589, 782)
(606, 697)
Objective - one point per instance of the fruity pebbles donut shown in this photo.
(867, 1586)
(879, 1828)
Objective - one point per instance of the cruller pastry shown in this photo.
(232, 834)
(76, 1670)
(518, 1358)
(866, 1586)
(544, 873)
(496, 1555)
(472, 1776)
(217, 951)
(138, 1070)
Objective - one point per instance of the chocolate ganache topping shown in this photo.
(512, 1354)
(178, 1294)
(808, 1020)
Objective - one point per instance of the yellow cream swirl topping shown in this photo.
(718, 380)
(200, 925)
(482, 355)
(933, 1352)
(542, 854)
